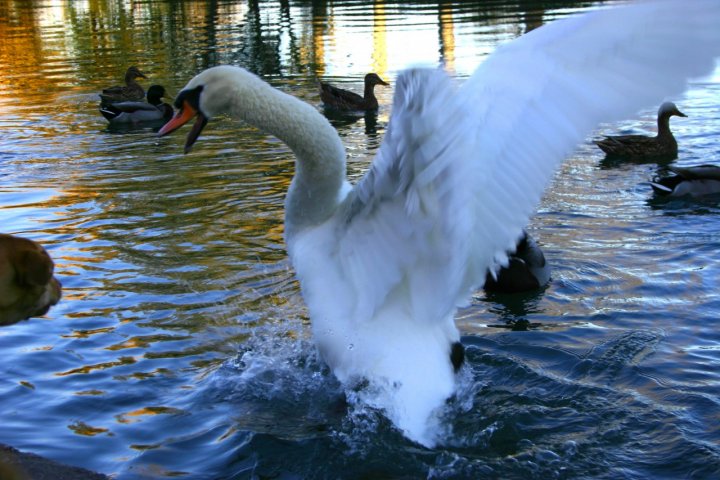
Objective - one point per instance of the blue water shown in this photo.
(181, 346)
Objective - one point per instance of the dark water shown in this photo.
(181, 348)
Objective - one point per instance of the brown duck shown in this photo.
(346, 100)
(131, 91)
(639, 147)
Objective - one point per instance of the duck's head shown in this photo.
(374, 79)
(133, 72)
(155, 93)
(669, 109)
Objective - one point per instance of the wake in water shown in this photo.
(523, 406)
(278, 384)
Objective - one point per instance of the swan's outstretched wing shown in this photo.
(543, 93)
(461, 170)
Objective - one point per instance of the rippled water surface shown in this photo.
(181, 348)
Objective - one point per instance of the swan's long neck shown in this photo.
(320, 157)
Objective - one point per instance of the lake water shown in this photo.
(181, 345)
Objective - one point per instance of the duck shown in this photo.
(131, 91)
(341, 99)
(693, 181)
(383, 264)
(527, 269)
(135, 112)
(639, 147)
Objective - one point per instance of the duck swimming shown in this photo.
(131, 91)
(638, 147)
(692, 181)
(383, 265)
(154, 110)
(346, 100)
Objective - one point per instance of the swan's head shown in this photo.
(669, 109)
(204, 97)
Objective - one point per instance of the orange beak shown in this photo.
(183, 116)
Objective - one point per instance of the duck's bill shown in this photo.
(184, 115)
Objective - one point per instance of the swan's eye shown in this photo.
(192, 97)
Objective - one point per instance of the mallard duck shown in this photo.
(526, 269)
(692, 181)
(153, 110)
(383, 265)
(131, 91)
(346, 100)
(663, 145)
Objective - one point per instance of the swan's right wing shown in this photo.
(542, 94)
(461, 171)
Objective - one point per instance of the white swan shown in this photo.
(384, 265)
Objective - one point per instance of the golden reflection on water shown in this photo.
(100, 366)
(62, 47)
(88, 333)
(133, 416)
(145, 341)
(379, 53)
(82, 428)
(447, 37)
(158, 372)
(90, 392)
